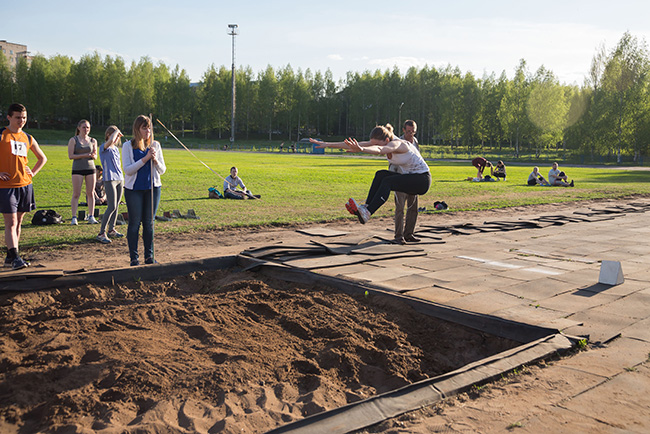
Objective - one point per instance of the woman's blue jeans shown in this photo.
(138, 204)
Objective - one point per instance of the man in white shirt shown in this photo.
(404, 232)
(230, 184)
(557, 178)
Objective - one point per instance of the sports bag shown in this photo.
(49, 217)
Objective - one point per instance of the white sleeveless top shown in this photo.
(411, 161)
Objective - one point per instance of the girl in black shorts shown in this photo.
(82, 150)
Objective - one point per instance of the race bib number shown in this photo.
(19, 148)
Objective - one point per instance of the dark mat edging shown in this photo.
(120, 275)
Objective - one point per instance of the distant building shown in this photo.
(13, 52)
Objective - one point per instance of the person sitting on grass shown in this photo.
(498, 170)
(536, 179)
(230, 184)
(557, 178)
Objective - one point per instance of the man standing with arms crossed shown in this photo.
(16, 191)
(404, 232)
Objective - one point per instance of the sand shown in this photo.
(210, 352)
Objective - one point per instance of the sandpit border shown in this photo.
(538, 343)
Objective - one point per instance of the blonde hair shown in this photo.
(109, 131)
(382, 132)
(79, 124)
(138, 142)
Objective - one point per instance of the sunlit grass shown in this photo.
(299, 188)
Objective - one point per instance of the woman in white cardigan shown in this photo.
(138, 155)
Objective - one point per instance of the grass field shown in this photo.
(306, 188)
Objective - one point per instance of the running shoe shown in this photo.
(8, 262)
(364, 214)
(102, 238)
(351, 206)
(92, 220)
(19, 263)
(361, 211)
(73, 221)
(115, 234)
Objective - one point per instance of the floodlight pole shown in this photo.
(399, 122)
(233, 33)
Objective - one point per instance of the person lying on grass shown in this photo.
(415, 177)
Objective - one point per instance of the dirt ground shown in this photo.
(225, 352)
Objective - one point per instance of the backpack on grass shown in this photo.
(214, 193)
(49, 217)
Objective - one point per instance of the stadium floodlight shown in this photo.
(233, 33)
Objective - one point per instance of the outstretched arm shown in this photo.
(389, 148)
(339, 145)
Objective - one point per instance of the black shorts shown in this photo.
(17, 199)
(84, 172)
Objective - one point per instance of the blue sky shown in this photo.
(477, 36)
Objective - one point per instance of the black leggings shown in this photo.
(386, 181)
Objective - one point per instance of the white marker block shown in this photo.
(611, 273)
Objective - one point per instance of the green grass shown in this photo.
(301, 188)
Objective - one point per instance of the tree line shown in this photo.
(609, 113)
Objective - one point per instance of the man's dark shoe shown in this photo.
(411, 239)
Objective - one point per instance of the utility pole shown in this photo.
(233, 33)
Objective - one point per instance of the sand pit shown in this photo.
(213, 351)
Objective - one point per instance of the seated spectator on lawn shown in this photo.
(230, 185)
(499, 170)
(536, 179)
(557, 178)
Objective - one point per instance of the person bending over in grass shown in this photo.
(480, 163)
(415, 177)
(16, 191)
